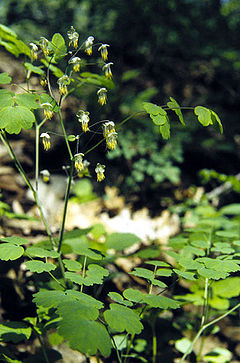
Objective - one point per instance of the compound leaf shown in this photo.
(153, 109)
(165, 130)
(134, 295)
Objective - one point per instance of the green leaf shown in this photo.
(55, 70)
(162, 302)
(39, 266)
(204, 115)
(84, 335)
(119, 299)
(94, 275)
(72, 265)
(49, 298)
(120, 241)
(58, 46)
(163, 272)
(231, 209)
(28, 100)
(5, 78)
(143, 272)
(158, 263)
(41, 252)
(174, 106)
(158, 283)
(15, 240)
(153, 109)
(230, 287)
(9, 251)
(13, 119)
(134, 295)
(182, 345)
(165, 130)
(212, 274)
(185, 275)
(14, 331)
(96, 79)
(77, 309)
(188, 263)
(159, 120)
(88, 252)
(34, 69)
(121, 318)
(215, 118)
(6, 99)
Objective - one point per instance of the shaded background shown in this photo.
(182, 48)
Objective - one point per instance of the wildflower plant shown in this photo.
(66, 304)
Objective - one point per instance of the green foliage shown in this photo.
(14, 331)
(39, 266)
(120, 241)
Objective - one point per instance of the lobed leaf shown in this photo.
(158, 263)
(121, 318)
(28, 100)
(120, 241)
(14, 331)
(72, 265)
(41, 252)
(34, 69)
(5, 78)
(204, 115)
(174, 106)
(39, 266)
(185, 274)
(153, 109)
(15, 240)
(119, 299)
(143, 272)
(58, 46)
(9, 251)
(162, 302)
(13, 119)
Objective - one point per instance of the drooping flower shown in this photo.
(111, 140)
(102, 96)
(47, 110)
(107, 70)
(63, 82)
(88, 45)
(108, 128)
(46, 141)
(104, 51)
(73, 37)
(43, 42)
(43, 82)
(76, 63)
(45, 175)
(83, 118)
(34, 50)
(79, 162)
(100, 169)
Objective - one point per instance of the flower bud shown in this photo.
(73, 37)
(102, 96)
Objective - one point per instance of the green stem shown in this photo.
(84, 270)
(154, 344)
(129, 347)
(189, 350)
(65, 206)
(65, 135)
(42, 347)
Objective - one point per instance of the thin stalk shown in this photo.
(65, 206)
(27, 181)
(42, 347)
(129, 347)
(84, 270)
(65, 134)
(154, 344)
(189, 350)
(36, 156)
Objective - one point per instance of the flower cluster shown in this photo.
(110, 134)
(83, 118)
(73, 37)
